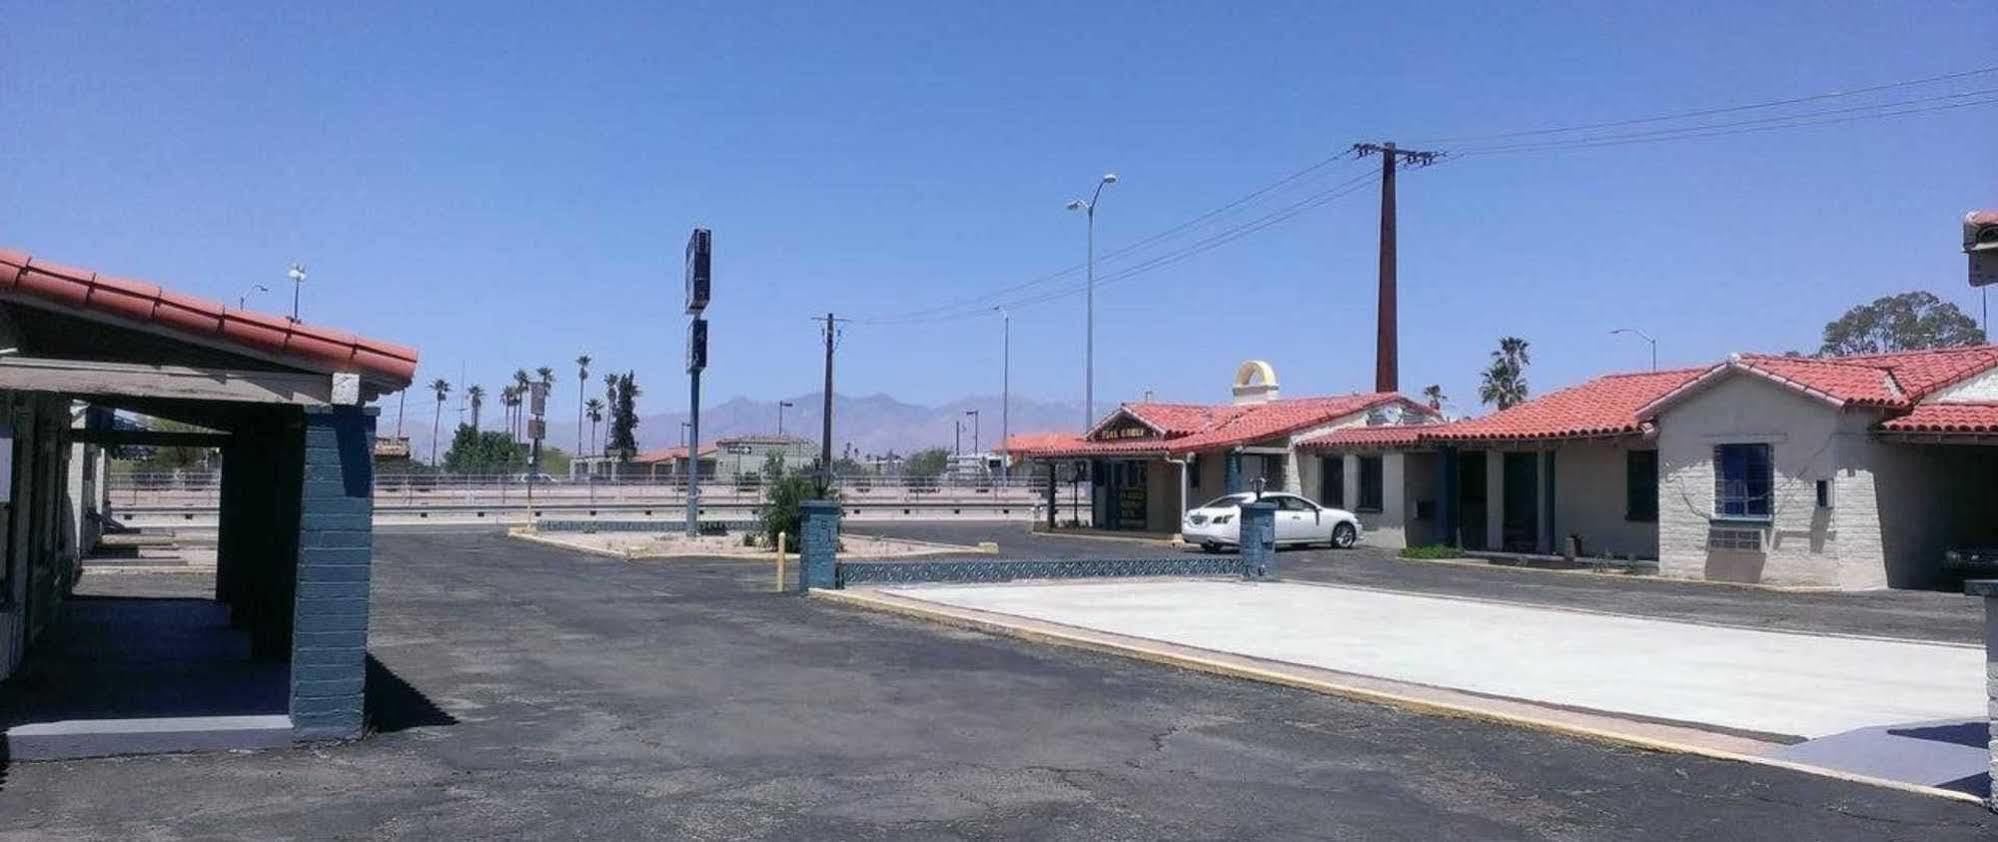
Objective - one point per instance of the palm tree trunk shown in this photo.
(433, 431)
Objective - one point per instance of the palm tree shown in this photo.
(595, 410)
(582, 381)
(520, 386)
(1505, 379)
(477, 396)
(1434, 394)
(442, 387)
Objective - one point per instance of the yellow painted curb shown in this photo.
(1395, 700)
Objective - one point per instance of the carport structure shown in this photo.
(285, 404)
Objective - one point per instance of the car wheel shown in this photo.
(1209, 547)
(1344, 535)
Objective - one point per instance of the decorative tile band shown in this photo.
(892, 572)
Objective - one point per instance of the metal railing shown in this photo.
(201, 489)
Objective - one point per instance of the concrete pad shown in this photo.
(1747, 681)
(74, 738)
(1951, 754)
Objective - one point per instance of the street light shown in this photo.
(1089, 342)
(1646, 337)
(1005, 385)
(974, 433)
(297, 275)
(243, 301)
(781, 406)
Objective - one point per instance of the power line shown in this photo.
(1708, 112)
(986, 300)
(1726, 129)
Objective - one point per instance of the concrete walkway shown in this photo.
(1777, 684)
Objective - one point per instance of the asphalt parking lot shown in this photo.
(1917, 615)
(531, 692)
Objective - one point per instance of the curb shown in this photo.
(1388, 699)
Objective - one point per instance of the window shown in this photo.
(1824, 494)
(1332, 481)
(1193, 472)
(1287, 503)
(1743, 479)
(1371, 492)
(1640, 486)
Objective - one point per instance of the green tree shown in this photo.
(926, 464)
(477, 396)
(582, 382)
(1911, 321)
(1433, 393)
(595, 410)
(1505, 379)
(489, 452)
(624, 418)
(442, 387)
(773, 466)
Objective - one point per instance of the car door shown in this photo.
(1293, 519)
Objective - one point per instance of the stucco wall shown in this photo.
(1801, 544)
(1590, 499)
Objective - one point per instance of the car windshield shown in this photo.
(1229, 501)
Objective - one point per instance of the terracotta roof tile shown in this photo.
(1605, 406)
(25, 276)
(1189, 428)
(1946, 418)
(1387, 435)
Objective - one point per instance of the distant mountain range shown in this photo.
(874, 424)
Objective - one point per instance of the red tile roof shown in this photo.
(1189, 428)
(96, 296)
(1894, 381)
(1390, 435)
(1605, 406)
(1946, 418)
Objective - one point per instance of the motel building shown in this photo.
(278, 651)
(1848, 473)
(1146, 463)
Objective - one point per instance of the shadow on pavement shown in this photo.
(395, 705)
(1972, 734)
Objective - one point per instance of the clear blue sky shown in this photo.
(506, 187)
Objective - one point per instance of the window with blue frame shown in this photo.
(1743, 480)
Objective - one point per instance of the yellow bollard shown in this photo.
(780, 562)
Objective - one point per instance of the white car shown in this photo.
(1217, 523)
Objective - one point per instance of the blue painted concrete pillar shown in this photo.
(1231, 473)
(818, 552)
(329, 640)
(1258, 541)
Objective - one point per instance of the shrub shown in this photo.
(782, 506)
(1431, 551)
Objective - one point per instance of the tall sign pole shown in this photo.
(700, 247)
(537, 429)
(832, 324)
(1387, 341)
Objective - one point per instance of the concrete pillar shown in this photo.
(335, 554)
(818, 547)
(1447, 497)
(1543, 473)
(1495, 499)
(1231, 473)
(1258, 541)
(1987, 589)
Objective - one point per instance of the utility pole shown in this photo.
(832, 331)
(1387, 363)
(1005, 386)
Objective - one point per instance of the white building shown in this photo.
(1853, 472)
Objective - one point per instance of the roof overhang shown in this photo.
(1720, 372)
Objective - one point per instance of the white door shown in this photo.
(1293, 520)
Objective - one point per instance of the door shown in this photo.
(1521, 530)
(1473, 513)
(1332, 481)
(1295, 520)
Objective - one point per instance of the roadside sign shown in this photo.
(699, 260)
(697, 345)
(537, 429)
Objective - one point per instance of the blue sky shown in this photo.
(507, 186)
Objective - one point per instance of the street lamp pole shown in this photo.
(1089, 330)
(243, 301)
(1646, 337)
(1005, 385)
(297, 275)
